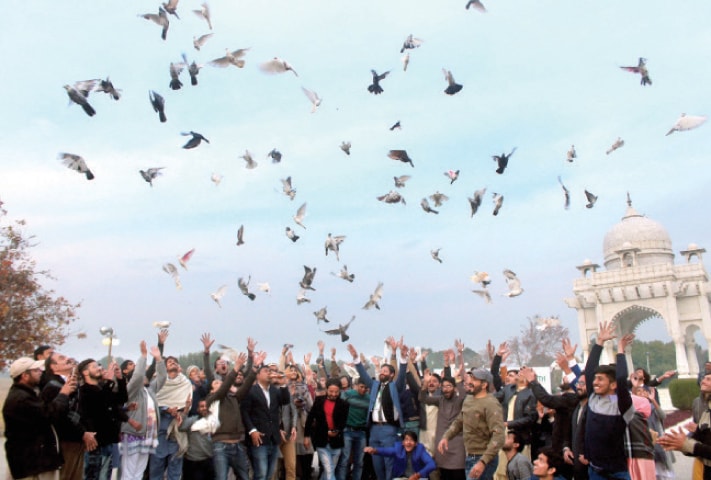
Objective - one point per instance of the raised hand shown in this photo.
(258, 358)
(251, 343)
(606, 332)
(155, 353)
(562, 362)
(162, 336)
(321, 346)
(307, 359)
(490, 350)
(207, 341)
(569, 349)
(625, 342)
(144, 349)
(503, 351)
(392, 343)
(459, 345)
(239, 360)
(351, 349)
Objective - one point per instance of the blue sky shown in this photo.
(538, 76)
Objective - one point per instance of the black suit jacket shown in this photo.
(256, 414)
(317, 427)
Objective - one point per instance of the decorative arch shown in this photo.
(628, 319)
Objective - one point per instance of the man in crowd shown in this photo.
(354, 435)
(324, 427)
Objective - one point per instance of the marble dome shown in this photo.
(636, 231)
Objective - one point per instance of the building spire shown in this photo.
(629, 200)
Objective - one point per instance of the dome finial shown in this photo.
(629, 200)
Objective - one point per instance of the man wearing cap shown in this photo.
(482, 423)
(30, 441)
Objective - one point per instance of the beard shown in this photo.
(476, 390)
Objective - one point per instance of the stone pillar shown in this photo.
(682, 365)
(691, 356)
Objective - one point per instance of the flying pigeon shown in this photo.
(400, 181)
(251, 164)
(341, 330)
(346, 147)
(481, 277)
(476, 4)
(150, 174)
(204, 12)
(277, 65)
(161, 324)
(435, 255)
(641, 68)
(396, 125)
(513, 283)
(687, 122)
(291, 235)
(264, 287)
(199, 42)
(400, 155)
(392, 197)
(374, 298)
(301, 297)
(502, 161)
(216, 178)
(453, 175)
(426, 206)
(243, 288)
(571, 155)
(591, 199)
(344, 274)
(76, 162)
(618, 143)
(175, 70)
(321, 315)
(405, 61)
(475, 201)
(313, 98)
(307, 280)
(218, 294)
(547, 322)
(183, 260)
(286, 187)
(194, 141)
(483, 293)
(452, 86)
(107, 87)
(438, 198)
(231, 58)
(193, 70)
(411, 43)
(333, 243)
(300, 214)
(275, 155)
(171, 270)
(159, 19)
(498, 202)
(158, 104)
(240, 235)
(172, 7)
(79, 92)
(565, 192)
(375, 87)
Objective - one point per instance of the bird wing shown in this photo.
(221, 62)
(311, 95)
(170, 269)
(219, 293)
(448, 76)
(275, 65)
(187, 256)
(509, 274)
(73, 161)
(688, 122)
(631, 69)
(86, 86)
(378, 293)
(301, 212)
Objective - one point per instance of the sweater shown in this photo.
(482, 422)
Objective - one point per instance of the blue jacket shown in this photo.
(422, 462)
(395, 388)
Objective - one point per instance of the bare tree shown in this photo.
(539, 340)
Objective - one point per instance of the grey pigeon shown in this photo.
(341, 330)
(426, 206)
(291, 235)
(475, 201)
(565, 192)
(375, 87)
(240, 235)
(411, 43)
(196, 139)
(344, 274)
(502, 161)
(79, 92)
(400, 181)
(307, 280)
(400, 155)
(452, 86)
(438, 198)
(160, 19)
(392, 197)
(175, 70)
(275, 155)
(243, 286)
(150, 174)
(107, 87)
(435, 255)
(374, 298)
(640, 68)
(321, 315)
(591, 198)
(158, 104)
(77, 163)
(498, 202)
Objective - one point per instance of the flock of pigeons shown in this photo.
(81, 91)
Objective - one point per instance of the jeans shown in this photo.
(97, 463)
(383, 436)
(165, 457)
(353, 443)
(230, 455)
(264, 460)
(489, 470)
(594, 474)
(328, 456)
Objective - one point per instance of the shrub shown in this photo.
(683, 391)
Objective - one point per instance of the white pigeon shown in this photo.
(411, 43)
(374, 298)
(572, 154)
(162, 324)
(313, 98)
(513, 283)
(481, 277)
(301, 297)
(344, 274)
(216, 178)
(231, 58)
(687, 122)
(204, 12)
(251, 164)
(264, 287)
(333, 243)
(320, 315)
(277, 65)
(286, 187)
(218, 294)
(172, 270)
(400, 181)
(405, 61)
(547, 322)
(483, 293)
(199, 42)
(498, 202)
(300, 214)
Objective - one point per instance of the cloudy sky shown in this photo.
(538, 76)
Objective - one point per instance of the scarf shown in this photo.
(175, 392)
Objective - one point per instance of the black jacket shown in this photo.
(317, 428)
(256, 414)
(68, 426)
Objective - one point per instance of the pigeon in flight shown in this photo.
(344, 274)
(231, 58)
(186, 258)
(107, 87)
(405, 61)
(161, 324)
(481, 277)
(286, 187)
(375, 87)
(218, 294)
(453, 175)
(502, 161)
(216, 178)
(194, 141)
(591, 199)
(277, 65)
(264, 287)
(498, 202)
(411, 43)
(158, 104)
(641, 68)
(172, 7)
(618, 143)
(275, 155)
(204, 12)
(483, 293)
(572, 154)
(243, 286)
(374, 298)
(452, 86)
(401, 155)
(396, 125)
(400, 181)
(546, 323)
(291, 235)
(475, 201)
(513, 283)
(435, 255)
(321, 315)
(333, 243)
(313, 98)
(251, 164)
(341, 330)
(392, 197)
(301, 297)
(307, 280)
(199, 42)
(79, 92)
(76, 162)
(346, 147)
(300, 214)
(159, 19)
(565, 192)
(477, 5)
(240, 235)
(171, 270)
(687, 122)
(426, 206)
(438, 198)
(150, 174)
(193, 70)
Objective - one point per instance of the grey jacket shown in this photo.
(141, 395)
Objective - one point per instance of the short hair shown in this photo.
(360, 381)
(517, 439)
(449, 380)
(348, 379)
(170, 357)
(263, 367)
(437, 376)
(333, 381)
(645, 374)
(389, 367)
(512, 370)
(214, 364)
(410, 433)
(125, 364)
(84, 365)
(555, 459)
(40, 350)
(608, 370)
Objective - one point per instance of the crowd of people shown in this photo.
(250, 419)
